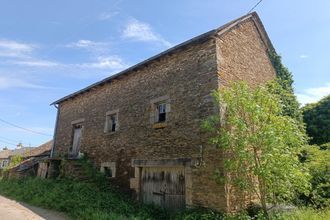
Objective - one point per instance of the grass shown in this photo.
(100, 200)
(307, 214)
(89, 201)
(79, 200)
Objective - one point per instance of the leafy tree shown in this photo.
(260, 145)
(15, 160)
(290, 104)
(317, 120)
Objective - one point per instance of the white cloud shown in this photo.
(86, 44)
(107, 15)
(109, 62)
(91, 46)
(141, 31)
(7, 82)
(22, 54)
(10, 48)
(312, 95)
(303, 56)
(35, 63)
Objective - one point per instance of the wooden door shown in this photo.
(163, 186)
(76, 141)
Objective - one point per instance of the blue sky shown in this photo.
(49, 49)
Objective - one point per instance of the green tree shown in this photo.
(15, 160)
(317, 120)
(260, 144)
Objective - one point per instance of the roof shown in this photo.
(24, 151)
(199, 39)
(42, 150)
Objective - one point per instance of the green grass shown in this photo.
(79, 200)
(307, 214)
(101, 201)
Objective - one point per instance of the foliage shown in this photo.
(317, 119)
(261, 145)
(317, 159)
(14, 161)
(84, 201)
(290, 105)
(78, 199)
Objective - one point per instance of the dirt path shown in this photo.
(12, 210)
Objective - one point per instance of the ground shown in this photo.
(12, 210)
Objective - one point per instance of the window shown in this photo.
(111, 123)
(160, 109)
(161, 112)
(109, 169)
(108, 172)
(4, 163)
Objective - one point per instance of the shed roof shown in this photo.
(201, 38)
(42, 150)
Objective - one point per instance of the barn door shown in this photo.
(163, 186)
(76, 141)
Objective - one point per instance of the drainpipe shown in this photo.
(55, 130)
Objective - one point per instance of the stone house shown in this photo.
(142, 126)
(4, 158)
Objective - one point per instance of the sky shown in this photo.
(49, 49)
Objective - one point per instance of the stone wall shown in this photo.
(186, 77)
(242, 55)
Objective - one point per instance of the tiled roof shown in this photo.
(43, 149)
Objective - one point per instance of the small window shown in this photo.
(161, 112)
(109, 169)
(4, 163)
(111, 124)
(108, 172)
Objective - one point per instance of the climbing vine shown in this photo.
(284, 88)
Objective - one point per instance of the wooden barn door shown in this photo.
(163, 186)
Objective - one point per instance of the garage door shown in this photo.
(163, 186)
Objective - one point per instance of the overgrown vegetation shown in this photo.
(86, 201)
(284, 89)
(317, 160)
(260, 144)
(317, 120)
(78, 199)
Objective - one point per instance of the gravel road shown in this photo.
(12, 210)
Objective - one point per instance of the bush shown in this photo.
(317, 160)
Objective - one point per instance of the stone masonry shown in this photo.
(185, 76)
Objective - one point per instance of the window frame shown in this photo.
(108, 127)
(109, 165)
(155, 111)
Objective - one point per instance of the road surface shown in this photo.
(12, 210)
